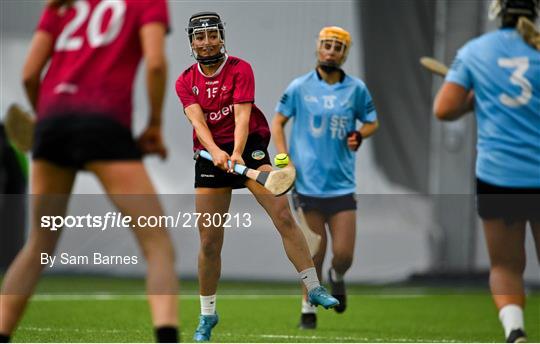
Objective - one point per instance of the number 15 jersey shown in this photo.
(504, 73)
(233, 83)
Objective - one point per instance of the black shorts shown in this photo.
(74, 141)
(328, 206)
(510, 204)
(209, 176)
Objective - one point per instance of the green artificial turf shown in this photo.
(79, 309)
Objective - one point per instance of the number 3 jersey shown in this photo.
(504, 73)
(233, 83)
(323, 115)
(97, 49)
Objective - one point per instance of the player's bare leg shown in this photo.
(507, 255)
(506, 247)
(209, 201)
(280, 212)
(343, 231)
(294, 241)
(316, 223)
(132, 192)
(51, 186)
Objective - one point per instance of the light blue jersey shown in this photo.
(323, 115)
(504, 73)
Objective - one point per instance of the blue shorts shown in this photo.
(327, 206)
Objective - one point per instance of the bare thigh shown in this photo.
(506, 243)
(343, 230)
(131, 190)
(211, 201)
(51, 189)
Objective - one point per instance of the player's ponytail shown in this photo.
(59, 3)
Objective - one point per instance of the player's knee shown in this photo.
(167, 252)
(160, 251)
(36, 258)
(505, 266)
(284, 219)
(210, 248)
(342, 261)
(37, 247)
(509, 262)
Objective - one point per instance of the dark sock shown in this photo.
(167, 334)
(4, 338)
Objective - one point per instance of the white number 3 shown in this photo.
(521, 64)
(68, 42)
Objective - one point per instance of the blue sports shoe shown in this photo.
(320, 297)
(204, 330)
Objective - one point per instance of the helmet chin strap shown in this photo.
(329, 67)
(210, 60)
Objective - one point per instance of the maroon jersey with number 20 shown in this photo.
(97, 49)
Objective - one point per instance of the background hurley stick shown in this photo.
(19, 127)
(434, 66)
(277, 182)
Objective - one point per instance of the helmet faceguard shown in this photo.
(511, 10)
(332, 48)
(206, 32)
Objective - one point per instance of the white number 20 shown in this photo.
(521, 64)
(67, 42)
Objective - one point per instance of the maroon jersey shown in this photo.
(233, 83)
(97, 49)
